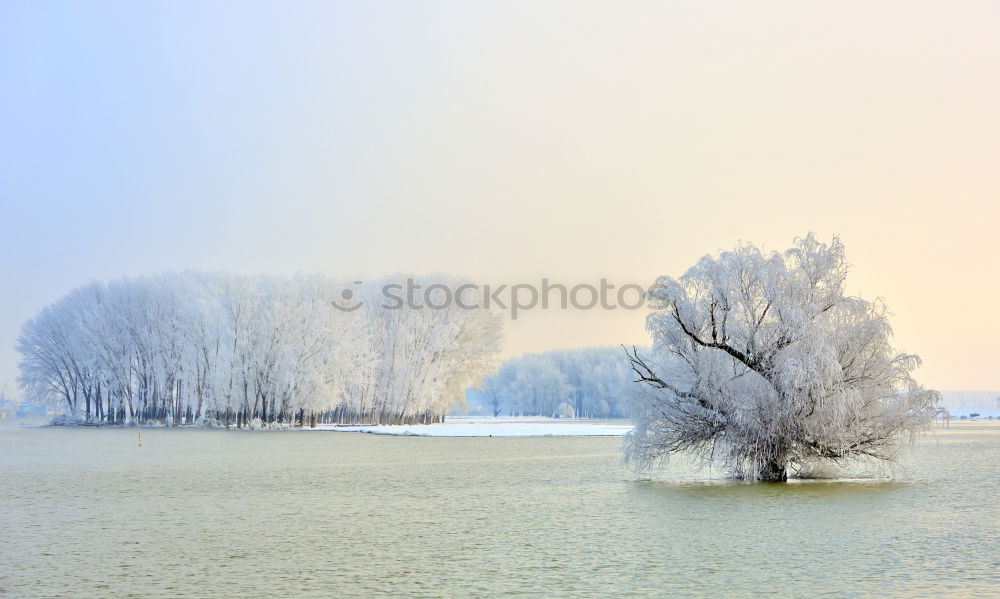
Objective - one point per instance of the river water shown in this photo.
(88, 513)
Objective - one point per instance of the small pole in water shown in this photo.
(140, 438)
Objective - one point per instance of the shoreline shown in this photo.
(468, 427)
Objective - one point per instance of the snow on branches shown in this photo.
(180, 348)
(761, 363)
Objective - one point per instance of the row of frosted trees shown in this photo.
(210, 348)
(584, 383)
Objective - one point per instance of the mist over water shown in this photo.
(87, 512)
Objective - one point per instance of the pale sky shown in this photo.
(507, 141)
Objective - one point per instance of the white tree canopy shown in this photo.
(761, 362)
(176, 348)
(594, 381)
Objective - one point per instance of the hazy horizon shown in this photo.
(507, 143)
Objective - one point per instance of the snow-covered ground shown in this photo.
(532, 426)
(498, 427)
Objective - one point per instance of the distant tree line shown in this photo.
(195, 347)
(584, 383)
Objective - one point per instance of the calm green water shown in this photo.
(86, 512)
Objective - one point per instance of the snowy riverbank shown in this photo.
(528, 426)
(497, 427)
(545, 427)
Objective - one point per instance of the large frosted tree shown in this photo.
(762, 364)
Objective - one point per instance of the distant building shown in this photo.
(7, 407)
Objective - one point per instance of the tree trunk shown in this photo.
(773, 471)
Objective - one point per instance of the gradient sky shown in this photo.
(507, 141)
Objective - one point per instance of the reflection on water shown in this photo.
(87, 512)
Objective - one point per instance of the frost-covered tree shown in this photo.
(493, 392)
(760, 362)
(538, 388)
(593, 381)
(177, 348)
(50, 368)
(414, 363)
